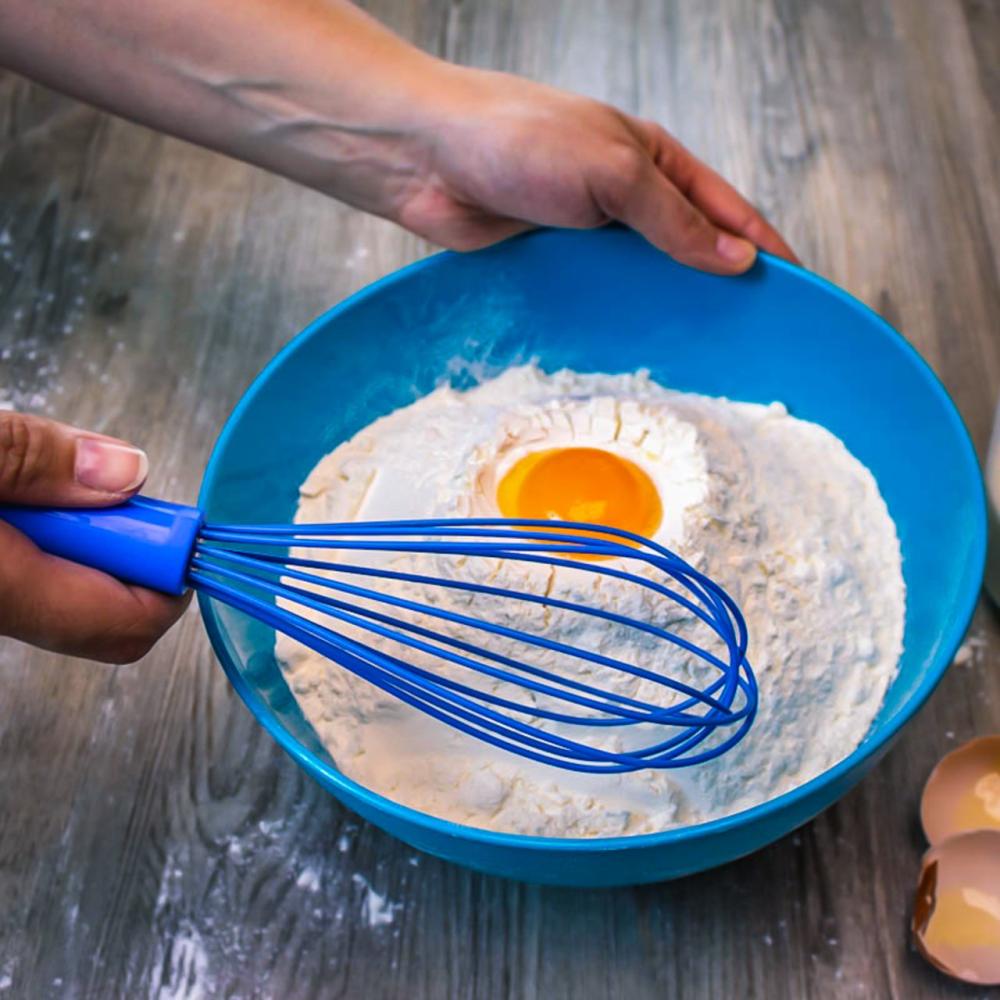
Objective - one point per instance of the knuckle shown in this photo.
(625, 168)
(690, 229)
(662, 142)
(753, 226)
(23, 451)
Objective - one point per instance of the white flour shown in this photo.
(774, 508)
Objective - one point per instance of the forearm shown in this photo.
(319, 92)
(311, 89)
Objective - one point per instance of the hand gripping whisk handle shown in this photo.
(143, 541)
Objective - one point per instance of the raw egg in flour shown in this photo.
(623, 463)
(581, 484)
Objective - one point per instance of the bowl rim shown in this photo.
(842, 770)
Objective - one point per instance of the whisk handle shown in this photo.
(142, 541)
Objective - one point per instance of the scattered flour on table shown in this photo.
(971, 650)
(376, 909)
(186, 972)
(309, 879)
(56, 339)
(774, 508)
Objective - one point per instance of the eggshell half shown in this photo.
(963, 791)
(956, 913)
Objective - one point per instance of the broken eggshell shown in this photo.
(956, 913)
(963, 791)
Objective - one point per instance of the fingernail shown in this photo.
(109, 467)
(734, 249)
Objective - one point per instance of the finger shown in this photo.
(708, 191)
(67, 608)
(44, 462)
(633, 191)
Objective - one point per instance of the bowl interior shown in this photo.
(606, 301)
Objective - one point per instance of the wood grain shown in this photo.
(153, 840)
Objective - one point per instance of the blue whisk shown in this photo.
(255, 569)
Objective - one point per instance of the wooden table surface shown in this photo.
(153, 840)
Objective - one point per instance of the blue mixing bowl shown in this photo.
(606, 301)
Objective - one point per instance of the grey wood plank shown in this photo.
(153, 841)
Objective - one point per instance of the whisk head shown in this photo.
(451, 642)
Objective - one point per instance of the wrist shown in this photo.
(380, 147)
(359, 133)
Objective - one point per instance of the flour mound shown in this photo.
(773, 508)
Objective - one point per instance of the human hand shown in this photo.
(502, 154)
(51, 602)
(325, 95)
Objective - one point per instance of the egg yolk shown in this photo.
(581, 484)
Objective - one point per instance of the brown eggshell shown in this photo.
(956, 912)
(963, 791)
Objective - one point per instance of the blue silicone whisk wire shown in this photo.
(236, 564)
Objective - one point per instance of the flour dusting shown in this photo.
(376, 909)
(187, 969)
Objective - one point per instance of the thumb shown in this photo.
(44, 462)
